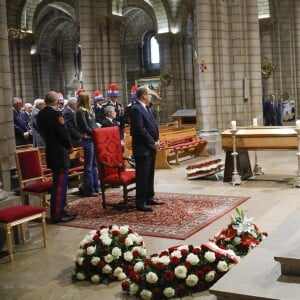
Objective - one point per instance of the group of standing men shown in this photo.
(55, 128)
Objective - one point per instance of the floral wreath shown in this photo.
(118, 253)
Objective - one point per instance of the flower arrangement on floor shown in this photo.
(241, 235)
(118, 253)
(105, 254)
(178, 271)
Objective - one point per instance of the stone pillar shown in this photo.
(297, 56)
(205, 91)
(176, 61)
(100, 46)
(7, 139)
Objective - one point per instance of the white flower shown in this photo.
(222, 266)
(106, 240)
(95, 260)
(210, 276)
(116, 252)
(138, 267)
(138, 239)
(80, 276)
(104, 231)
(176, 253)
(115, 228)
(180, 271)
(95, 278)
(108, 258)
(124, 229)
(165, 260)
(128, 256)
(128, 241)
(151, 277)
(155, 260)
(80, 260)
(91, 250)
(118, 271)
(143, 251)
(244, 226)
(210, 256)
(236, 241)
(146, 294)
(106, 269)
(169, 292)
(191, 280)
(133, 289)
(192, 258)
(121, 276)
(79, 252)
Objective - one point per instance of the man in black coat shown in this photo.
(145, 140)
(58, 146)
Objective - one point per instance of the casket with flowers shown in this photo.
(105, 254)
(178, 271)
(241, 235)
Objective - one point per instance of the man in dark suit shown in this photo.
(58, 146)
(145, 140)
(272, 111)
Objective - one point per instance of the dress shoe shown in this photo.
(67, 218)
(144, 208)
(155, 202)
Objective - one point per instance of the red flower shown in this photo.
(164, 253)
(197, 251)
(147, 262)
(247, 240)
(174, 261)
(181, 290)
(200, 273)
(96, 237)
(136, 254)
(156, 293)
(115, 232)
(184, 252)
(159, 266)
(207, 268)
(122, 239)
(125, 285)
(101, 264)
(187, 265)
(168, 276)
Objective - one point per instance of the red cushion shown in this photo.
(127, 177)
(17, 212)
(30, 164)
(76, 169)
(39, 187)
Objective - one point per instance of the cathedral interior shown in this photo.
(219, 58)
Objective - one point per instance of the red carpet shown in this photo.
(181, 216)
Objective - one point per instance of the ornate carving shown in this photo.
(267, 68)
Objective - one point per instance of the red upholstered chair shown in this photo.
(111, 167)
(18, 215)
(31, 177)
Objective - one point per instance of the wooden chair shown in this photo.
(18, 215)
(31, 177)
(111, 168)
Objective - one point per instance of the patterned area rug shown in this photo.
(181, 216)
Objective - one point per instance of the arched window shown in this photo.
(154, 49)
(151, 58)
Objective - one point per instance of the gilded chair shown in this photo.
(31, 177)
(111, 163)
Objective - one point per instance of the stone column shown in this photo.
(7, 140)
(297, 56)
(205, 91)
(100, 46)
(178, 92)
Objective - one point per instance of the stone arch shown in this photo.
(159, 11)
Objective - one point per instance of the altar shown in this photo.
(254, 138)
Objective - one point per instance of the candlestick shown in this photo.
(254, 122)
(233, 125)
(236, 178)
(298, 124)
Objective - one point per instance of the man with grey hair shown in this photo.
(38, 140)
(22, 130)
(110, 120)
(70, 125)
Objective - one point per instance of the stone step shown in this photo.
(290, 265)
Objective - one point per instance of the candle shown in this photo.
(233, 125)
(298, 124)
(254, 122)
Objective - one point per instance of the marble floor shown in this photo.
(39, 273)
